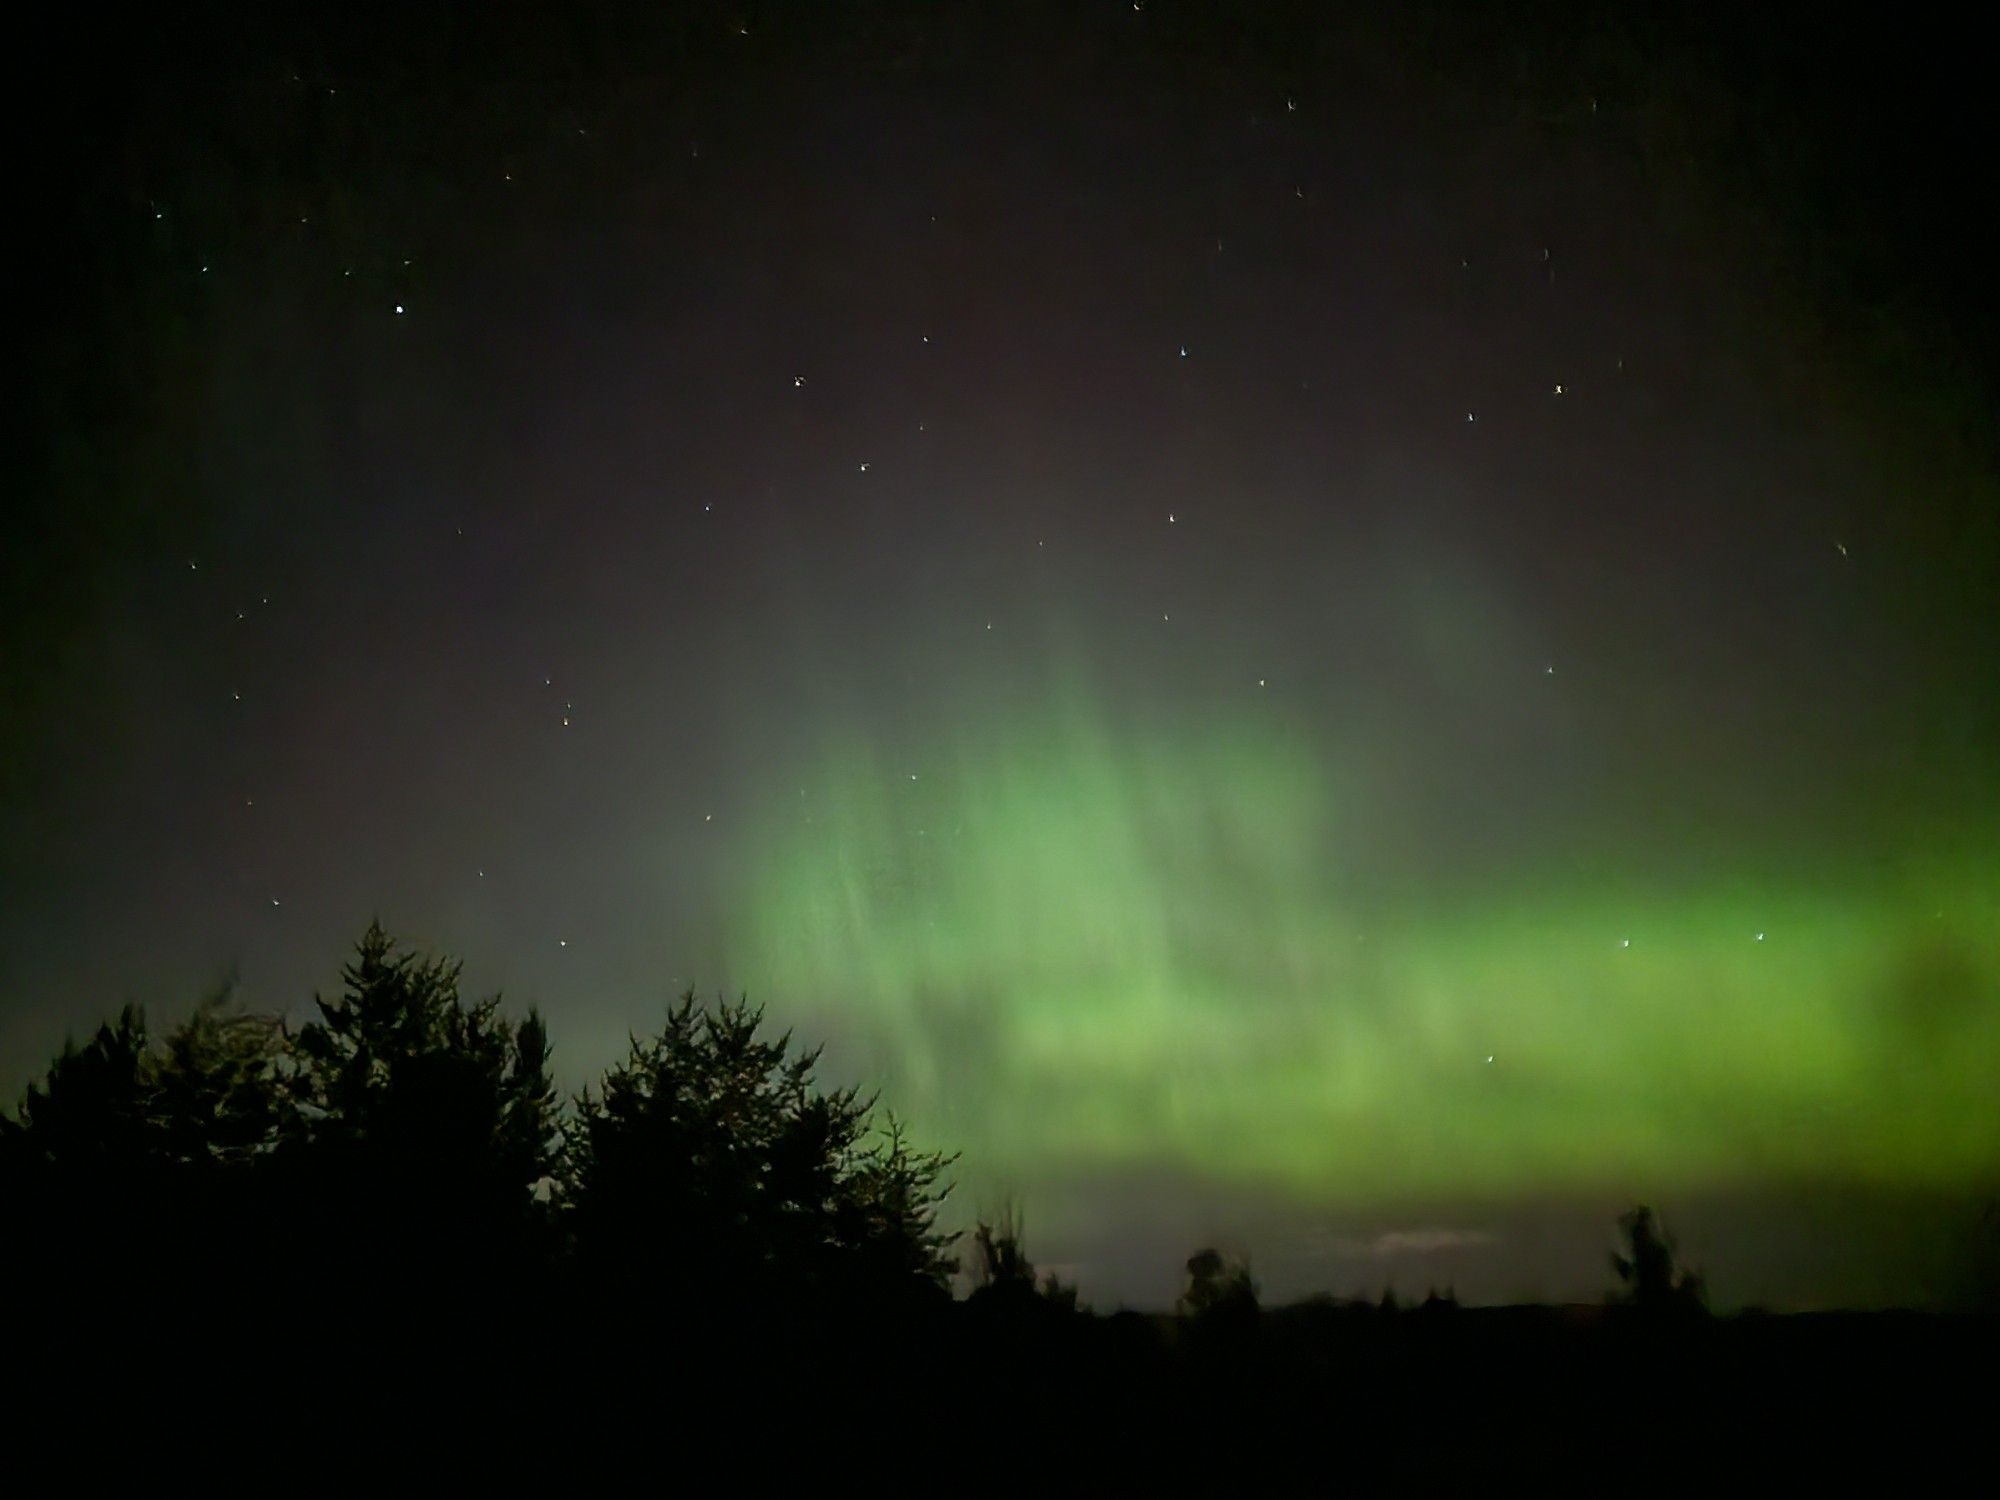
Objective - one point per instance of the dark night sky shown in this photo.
(1368, 638)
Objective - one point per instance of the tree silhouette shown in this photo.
(1004, 1276)
(708, 1164)
(220, 1099)
(421, 1127)
(78, 1170)
(1218, 1287)
(92, 1113)
(1654, 1279)
(142, 1157)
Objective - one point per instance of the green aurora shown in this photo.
(1081, 948)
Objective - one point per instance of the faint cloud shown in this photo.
(1393, 1242)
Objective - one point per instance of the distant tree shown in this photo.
(1000, 1266)
(1004, 1277)
(1439, 1302)
(1218, 1287)
(709, 1165)
(1653, 1277)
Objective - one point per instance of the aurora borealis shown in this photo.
(1075, 946)
(1110, 953)
(1364, 638)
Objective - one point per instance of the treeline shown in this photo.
(406, 1128)
(384, 1224)
(406, 1134)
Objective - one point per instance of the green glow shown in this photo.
(1074, 947)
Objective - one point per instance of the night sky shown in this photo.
(1367, 640)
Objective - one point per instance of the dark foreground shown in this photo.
(500, 1397)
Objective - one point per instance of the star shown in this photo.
(399, 309)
